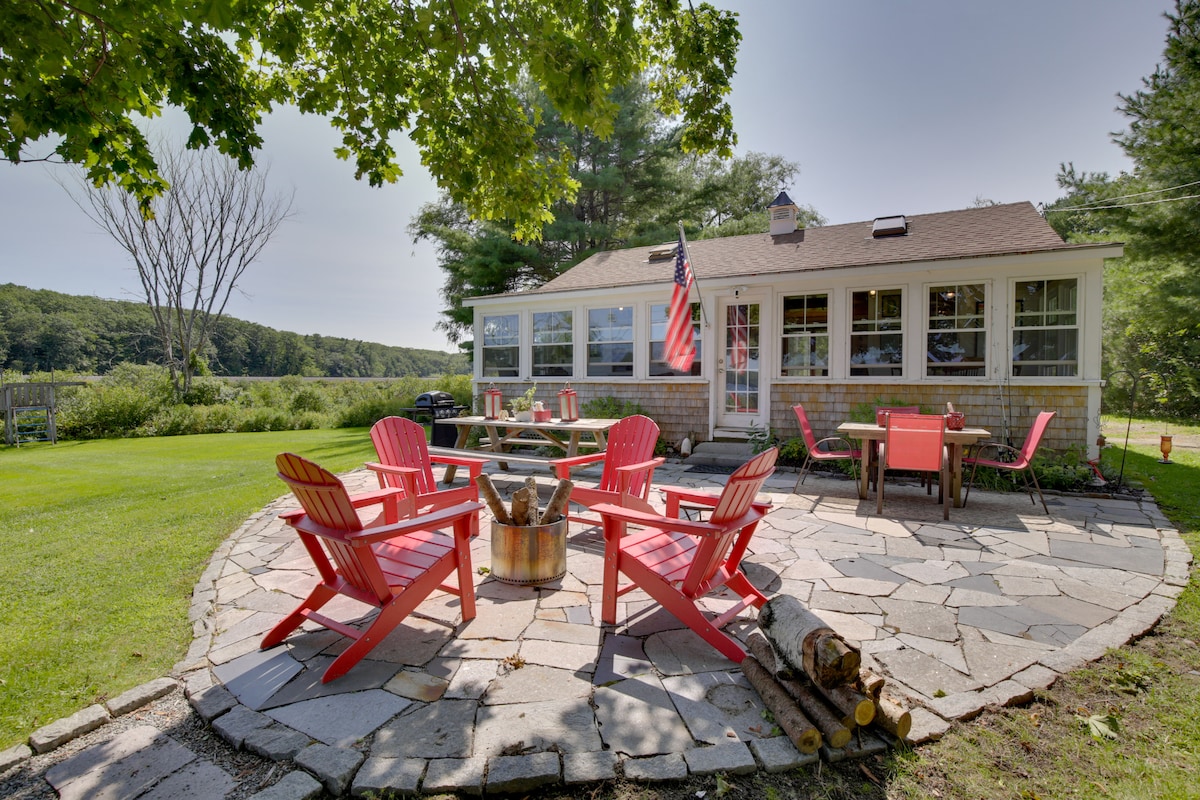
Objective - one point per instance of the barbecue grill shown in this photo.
(439, 405)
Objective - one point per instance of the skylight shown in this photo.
(889, 226)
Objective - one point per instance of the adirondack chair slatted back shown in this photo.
(326, 502)
(400, 442)
(915, 442)
(712, 553)
(630, 441)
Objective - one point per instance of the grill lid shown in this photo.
(434, 400)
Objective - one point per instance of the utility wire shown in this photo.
(1123, 205)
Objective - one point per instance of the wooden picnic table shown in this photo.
(504, 434)
(871, 434)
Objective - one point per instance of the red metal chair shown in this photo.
(386, 562)
(629, 465)
(1022, 459)
(677, 562)
(815, 453)
(401, 448)
(915, 442)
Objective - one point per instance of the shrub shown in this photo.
(309, 398)
(609, 407)
(265, 419)
(792, 452)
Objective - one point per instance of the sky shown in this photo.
(887, 106)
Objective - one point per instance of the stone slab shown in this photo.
(139, 696)
(733, 758)
(199, 780)
(383, 777)
(254, 677)
(523, 773)
(235, 726)
(296, 785)
(637, 718)
(124, 766)
(778, 754)
(48, 737)
(334, 767)
(464, 775)
(656, 769)
(342, 720)
(591, 767)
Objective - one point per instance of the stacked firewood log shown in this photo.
(525, 502)
(813, 683)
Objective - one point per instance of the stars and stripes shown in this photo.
(679, 350)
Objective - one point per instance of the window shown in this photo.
(610, 342)
(553, 351)
(658, 336)
(956, 340)
(876, 334)
(805, 344)
(501, 346)
(1046, 328)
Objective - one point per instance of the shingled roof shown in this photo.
(1007, 229)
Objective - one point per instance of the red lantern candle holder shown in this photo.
(568, 404)
(493, 402)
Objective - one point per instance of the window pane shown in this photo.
(957, 341)
(876, 335)
(658, 335)
(610, 342)
(805, 341)
(1046, 333)
(501, 351)
(553, 351)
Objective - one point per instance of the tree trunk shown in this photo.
(806, 644)
(789, 717)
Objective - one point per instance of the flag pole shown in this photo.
(695, 282)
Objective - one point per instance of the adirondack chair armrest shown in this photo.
(376, 497)
(626, 473)
(562, 466)
(655, 520)
(435, 519)
(390, 469)
(679, 493)
(475, 465)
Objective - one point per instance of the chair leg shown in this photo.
(803, 473)
(970, 483)
(879, 487)
(1033, 475)
(319, 596)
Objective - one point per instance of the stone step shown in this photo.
(720, 454)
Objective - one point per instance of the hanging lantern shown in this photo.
(568, 404)
(493, 402)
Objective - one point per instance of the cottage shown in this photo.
(986, 307)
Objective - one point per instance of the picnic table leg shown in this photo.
(601, 442)
(497, 444)
(573, 445)
(459, 443)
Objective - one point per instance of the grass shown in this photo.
(104, 540)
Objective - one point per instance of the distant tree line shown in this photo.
(44, 331)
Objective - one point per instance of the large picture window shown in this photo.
(553, 348)
(1046, 328)
(805, 343)
(876, 332)
(502, 346)
(610, 342)
(658, 335)
(956, 339)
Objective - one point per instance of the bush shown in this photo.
(610, 407)
(792, 453)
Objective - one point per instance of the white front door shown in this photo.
(738, 402)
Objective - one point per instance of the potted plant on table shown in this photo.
(522, 406)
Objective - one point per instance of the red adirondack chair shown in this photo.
(402, 450)
(629, 466)
(915, 442)
(1022, 460)
(815, 453)
(386, 562)
(677, 561)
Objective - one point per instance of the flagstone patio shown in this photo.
(981, 610)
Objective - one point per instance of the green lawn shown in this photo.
(102, 543)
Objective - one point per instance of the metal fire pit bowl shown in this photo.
(529, 554)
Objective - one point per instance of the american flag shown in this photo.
(739, 350)
(679, 350)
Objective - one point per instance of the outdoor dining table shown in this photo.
(504, 434)
(871, 434)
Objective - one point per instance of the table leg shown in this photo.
(496, 443)
(868, 464)
(573, 445)
(601, 441)
(460, 442)
(955, 487)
